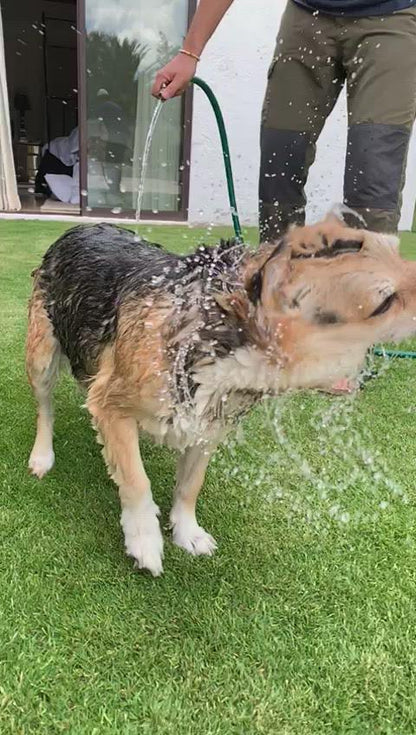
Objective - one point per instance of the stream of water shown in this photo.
(145, 159)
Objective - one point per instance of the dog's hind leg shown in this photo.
(43, 355)
(139, 513)
(186, 532)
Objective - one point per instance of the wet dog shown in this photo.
(181, 346)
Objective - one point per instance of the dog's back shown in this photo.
(83, 277)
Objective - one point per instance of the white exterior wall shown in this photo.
(235, 65)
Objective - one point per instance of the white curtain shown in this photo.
(161, 190)
(9, 198)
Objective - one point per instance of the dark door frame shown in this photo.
(186, 122)
(82, 107)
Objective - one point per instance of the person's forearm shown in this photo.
(207, 16)
(175, 76)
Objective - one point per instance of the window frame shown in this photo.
(181, 215)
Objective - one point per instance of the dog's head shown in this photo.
(328, 293)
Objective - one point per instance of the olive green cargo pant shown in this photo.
(315, 55)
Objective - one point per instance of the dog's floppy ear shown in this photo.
(254, 286)
(270, 274)
(342, 246)
(325, 241)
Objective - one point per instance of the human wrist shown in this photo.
(193, 45)
(189, 55)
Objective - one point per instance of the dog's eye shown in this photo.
(385, 305)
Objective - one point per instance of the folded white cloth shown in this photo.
(65, 148)
(65, 188)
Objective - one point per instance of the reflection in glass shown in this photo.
(127, 40)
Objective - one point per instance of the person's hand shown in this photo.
(173, 79)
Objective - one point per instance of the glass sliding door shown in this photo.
(126, 42)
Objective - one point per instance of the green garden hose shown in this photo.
(378, 351)
(226, 154)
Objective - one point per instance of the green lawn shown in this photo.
(304, 623)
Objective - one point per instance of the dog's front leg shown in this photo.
(139, 514)
(190, 476)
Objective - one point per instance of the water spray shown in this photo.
(378, 351)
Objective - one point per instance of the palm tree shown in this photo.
(113, 65)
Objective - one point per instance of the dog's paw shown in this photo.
(41, 462)
(189, 536)
(142, 536)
